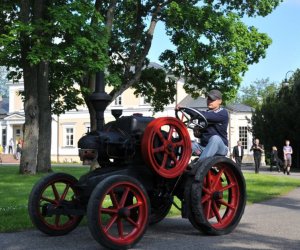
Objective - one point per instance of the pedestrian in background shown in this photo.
(287, 156)
(238, 153)
(257, 149)
(275, 161)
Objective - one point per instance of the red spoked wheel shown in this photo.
(46, 202)
(218, 196)
(118, 212)
(166, 146)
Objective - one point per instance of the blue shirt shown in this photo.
(217, 125)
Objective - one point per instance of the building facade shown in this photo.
(68, 128)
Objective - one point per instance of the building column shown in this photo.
(9, 132)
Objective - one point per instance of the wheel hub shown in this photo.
(217, 195)
(124, 212)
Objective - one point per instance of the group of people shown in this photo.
(287, 156)
(12, 150)
(258, 150)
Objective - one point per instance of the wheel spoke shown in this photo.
(205, 190)
(215, 210)
(159, 149)
(170, 133)
(109, 211)
(49, 200)
(160, 135)
(124, 196)
(63, 196)
(207, 209)
(164, 162)
(231, 185)
(174, 157)
(57, 219)
(110, 223)
(120, 228)
(133, 206)
(217, 179)
(227, 204)
(205, 198)
(55, 192)
(132, 222)
(114, 199)
(178, 143)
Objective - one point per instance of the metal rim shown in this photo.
(54, 193)
(122, 222)
(220, 196)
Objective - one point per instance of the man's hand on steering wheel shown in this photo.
(191, 117)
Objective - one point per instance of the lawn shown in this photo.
(15, 189)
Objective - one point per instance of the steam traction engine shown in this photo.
(144, 163)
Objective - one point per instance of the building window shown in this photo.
(118, 101)
(4, 137)
(69, 137)
(243, 136)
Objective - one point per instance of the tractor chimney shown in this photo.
(100, 99)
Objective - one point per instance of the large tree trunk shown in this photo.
(31, 128)
(44, 143)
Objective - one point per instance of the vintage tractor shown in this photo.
(144, 164)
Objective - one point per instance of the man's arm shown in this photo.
(216, 117)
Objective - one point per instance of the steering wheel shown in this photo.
(192, 118)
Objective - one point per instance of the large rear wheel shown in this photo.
(217, 196)
(113, 221)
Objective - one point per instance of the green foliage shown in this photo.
(254, 94)
(71, 38)
(154, 86)
(213, 46)
(276, 119)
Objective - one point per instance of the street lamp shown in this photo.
(285, 82)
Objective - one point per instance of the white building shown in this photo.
(68, 128)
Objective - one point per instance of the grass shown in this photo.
(15, 189)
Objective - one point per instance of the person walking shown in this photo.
(18, 151)
(275, 161)
(11, 146)
(287, 156)
(238, 153)
(257, 149)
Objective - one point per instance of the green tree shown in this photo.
(276, 119)
(58, 43)
(254, 94)
(51, 45)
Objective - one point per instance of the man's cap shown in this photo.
(214, 94)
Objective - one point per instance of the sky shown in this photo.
(282, 56)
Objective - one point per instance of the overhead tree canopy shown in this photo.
(54, 44)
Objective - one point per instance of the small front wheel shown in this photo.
(46, 204)
(118, 212)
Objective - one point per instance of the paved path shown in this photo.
(273, 224)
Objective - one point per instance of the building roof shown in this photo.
(200, 103)
(239, 107)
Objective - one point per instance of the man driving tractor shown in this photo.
(213, 139)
